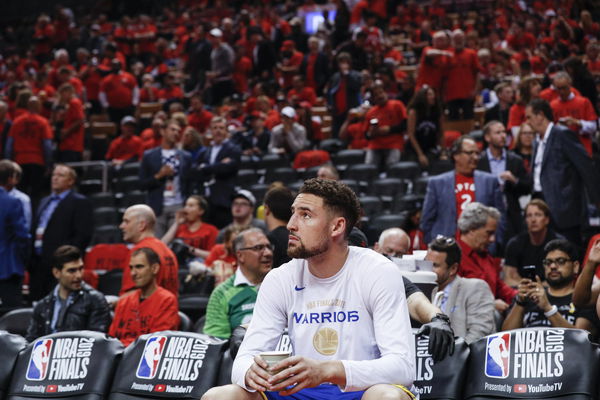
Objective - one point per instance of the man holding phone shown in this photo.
(536, 305)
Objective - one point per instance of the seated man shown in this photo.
(322, 297)
(242, 211)
(394, 242)
(536, 305)
(527, 248)
(231, 303)
(150, 308)
(73, 305)
(468, 302)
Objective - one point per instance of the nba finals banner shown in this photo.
(169, 364)
(66, 364)
(442, 380)
(540, 362)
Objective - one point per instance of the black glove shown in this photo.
(441, 337)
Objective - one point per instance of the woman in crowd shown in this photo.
(524, 144)
(425, 124)
(189, 227)
(529, 89)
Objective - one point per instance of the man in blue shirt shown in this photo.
(13, 241)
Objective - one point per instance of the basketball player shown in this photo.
(344, 308)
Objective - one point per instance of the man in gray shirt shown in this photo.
(220, 76)
(289, 137)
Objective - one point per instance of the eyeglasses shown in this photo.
(259, 248)
(561, 261)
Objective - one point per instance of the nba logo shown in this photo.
(151, 357)
(497, 356)
(38, 363)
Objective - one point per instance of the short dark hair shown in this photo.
(151, 256)
(449, 246)
(279, 200)
(65, 254)
(563, 245)
(488, 126)
(541, 106)
(458, 145)
(337, 197)
(7, 171)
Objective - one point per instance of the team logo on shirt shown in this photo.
(497, 356)
(151, 356)
(326, 341)
(39, 361)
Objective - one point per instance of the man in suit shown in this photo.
(449, 193)
(64, 217)
(164, 174)
(509, 169)
(217, 169)
(467, 301)
(13, 240)
(561, 170)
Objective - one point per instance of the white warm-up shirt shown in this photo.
(358, 316)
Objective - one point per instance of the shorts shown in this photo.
(324, 392)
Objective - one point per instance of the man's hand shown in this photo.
(594, 256)
(539, 297)
(508, 176)
(303, 373)
(524, 289)
(441, 337)
(165, 170)
(257, 376)
(500, 305)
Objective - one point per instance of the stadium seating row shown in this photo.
(549, 363)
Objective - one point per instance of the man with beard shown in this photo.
(344, 308)
(551, 306)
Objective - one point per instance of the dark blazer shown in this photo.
(566, 171)
(13, 236)
(219, 176)
(512, 191)
(151, 164)
(353, 86)
(439, 209)
(71, 223)
(321, 69)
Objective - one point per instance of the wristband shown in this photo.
(552, 311)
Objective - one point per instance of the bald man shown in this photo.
(393, 242)
(138, 228)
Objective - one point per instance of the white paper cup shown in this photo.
(273, 357)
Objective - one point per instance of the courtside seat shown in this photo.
(16, 321)
(168, 365)
(534, 363)
(10, 346)
(66, 365)
(442, 380)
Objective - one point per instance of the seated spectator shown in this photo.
(150, 308)
(198, 116)
(138, 228)
(351, 129)
(527, 248)
(148, 92)
(289, 137)
(189, 227)
(221, 258)
(126, 147)
(242, 210)
(328, 171)
(73, 305)
(300, 92)
(393, 242)
(278, 210)
(536, 305)
(255, 141)
(477, 225)
(152, 137)
(231, 303)
(171, 91)
(468, 302)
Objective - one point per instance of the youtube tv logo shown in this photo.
(51, 389)
(160, 388)
(519, 388)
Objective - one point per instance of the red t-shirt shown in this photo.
(149, 95)
(91, 82)
(28, 132)
(516, 115)
(550, 94)
(392, 113)
(134, 318)
(167, 277)
(310, 71)
(170, 93)
(119, 89)
(431, 70)
(580, 108)
(122, 148)
(203, 238)
(464, 189)
(356, 133)
(306, 94)
(218, 252)
(200, 120)
(149, 139)
(241, 73)
(462, 75)
(74, 141)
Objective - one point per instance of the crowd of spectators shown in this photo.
(195, 91)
